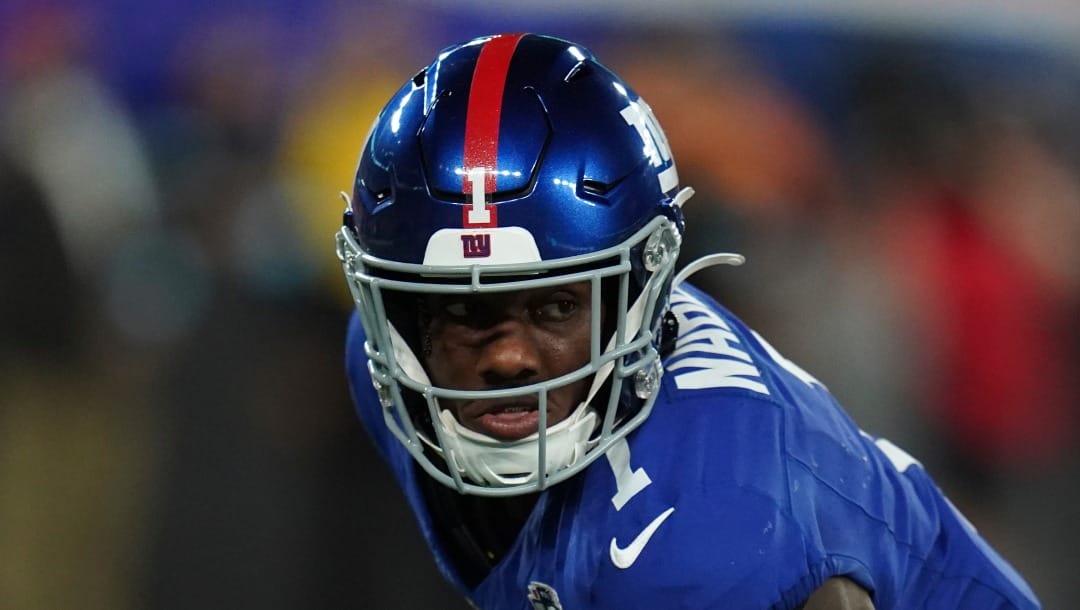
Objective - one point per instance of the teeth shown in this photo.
(514, 409)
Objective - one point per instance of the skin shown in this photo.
(839, 593)
(505, 340)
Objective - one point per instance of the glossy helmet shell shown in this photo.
(568, 163)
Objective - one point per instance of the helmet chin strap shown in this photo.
(502, 463)
(485, 459)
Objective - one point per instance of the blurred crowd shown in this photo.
(175, 430)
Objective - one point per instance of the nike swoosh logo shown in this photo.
(625, 557)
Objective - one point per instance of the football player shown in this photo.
(573, 424)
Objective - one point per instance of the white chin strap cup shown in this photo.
(502, 463)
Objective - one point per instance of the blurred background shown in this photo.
(175, 430)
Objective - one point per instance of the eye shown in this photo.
(456, 309)
(557, 309)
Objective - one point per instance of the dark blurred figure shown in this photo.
(249, 411)
(977, 221)
(40, 323)
(270, 498)
(74, 453)
(997, 319)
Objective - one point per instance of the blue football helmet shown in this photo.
(514, 162)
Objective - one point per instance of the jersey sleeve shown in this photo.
(869, 511)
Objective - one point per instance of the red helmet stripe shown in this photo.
(482, 117)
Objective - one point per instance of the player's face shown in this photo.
(506, 340)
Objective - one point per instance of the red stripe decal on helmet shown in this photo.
(482, 128)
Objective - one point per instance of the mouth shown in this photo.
(506, 421)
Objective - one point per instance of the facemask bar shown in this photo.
(629, 353)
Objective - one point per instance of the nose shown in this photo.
(510, 356)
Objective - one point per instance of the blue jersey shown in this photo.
(747, 487)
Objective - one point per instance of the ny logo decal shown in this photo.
(476, 246)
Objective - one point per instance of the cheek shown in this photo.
(569, 352)
(568, 348)
(443, 363)
(576, 350)
(582, 341)
(564, 399)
